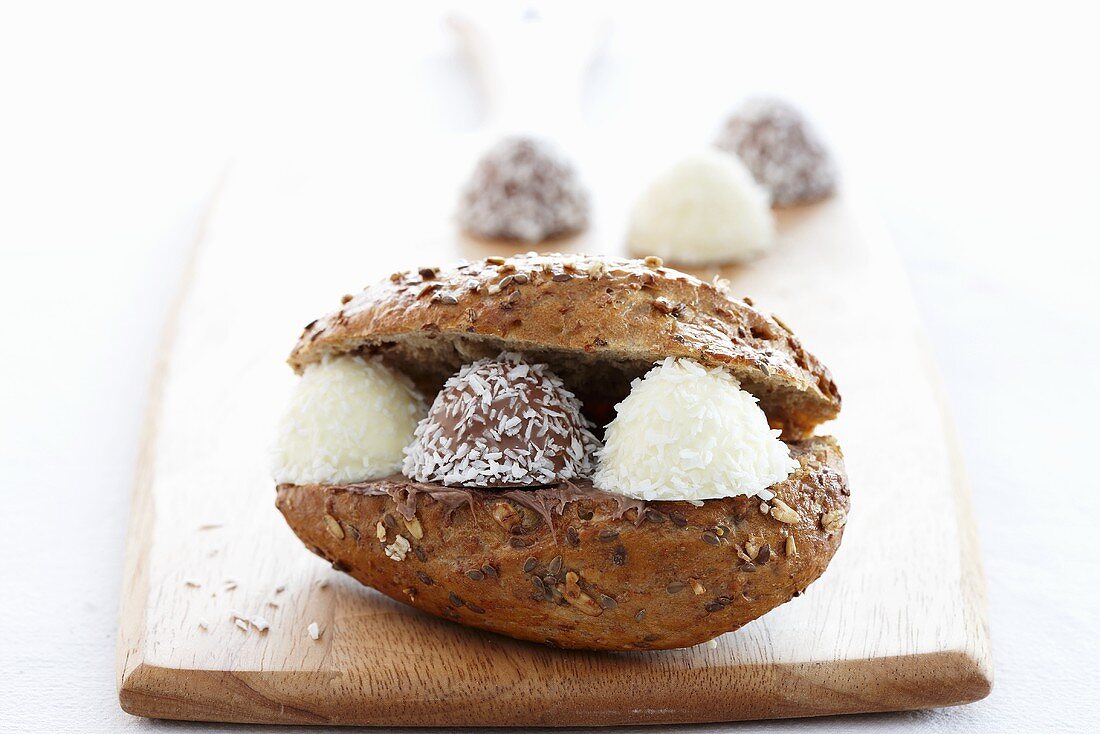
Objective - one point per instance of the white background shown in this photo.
(974, 129)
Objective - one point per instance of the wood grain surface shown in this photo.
(897, 621)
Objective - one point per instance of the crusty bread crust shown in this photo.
(599, 321)
(591, 571)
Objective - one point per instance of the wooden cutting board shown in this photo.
(898, 620)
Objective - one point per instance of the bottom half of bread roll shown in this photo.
(577, 567)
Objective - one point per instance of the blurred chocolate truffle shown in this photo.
(781, 150)
(502, 423)
(523, 189)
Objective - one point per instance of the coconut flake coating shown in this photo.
(502, 423)
(784, 154)
(347, 420)
(523, 189)
(705, 209)
(688, 433)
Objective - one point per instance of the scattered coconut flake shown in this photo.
(314, 631)
(259, 623)
(203, 624)
(242, 624)
(194, 584)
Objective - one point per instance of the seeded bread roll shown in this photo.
(579, 568)
(572, 565)
(599, 322)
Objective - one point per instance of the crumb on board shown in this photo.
(314, 631)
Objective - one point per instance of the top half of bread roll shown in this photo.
(599, 322)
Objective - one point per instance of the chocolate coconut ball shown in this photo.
(502, 423)
(783, 153)
(523, 189)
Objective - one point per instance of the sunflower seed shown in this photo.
(332, 525)
(475, 575)
(577, 598)
(783, 512)
(529, 564)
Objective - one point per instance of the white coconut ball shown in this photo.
(705, 209)
(690, 433)
(348, 420)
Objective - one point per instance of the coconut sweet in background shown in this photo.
(704, 209)
(523, 189)
(780, 148)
